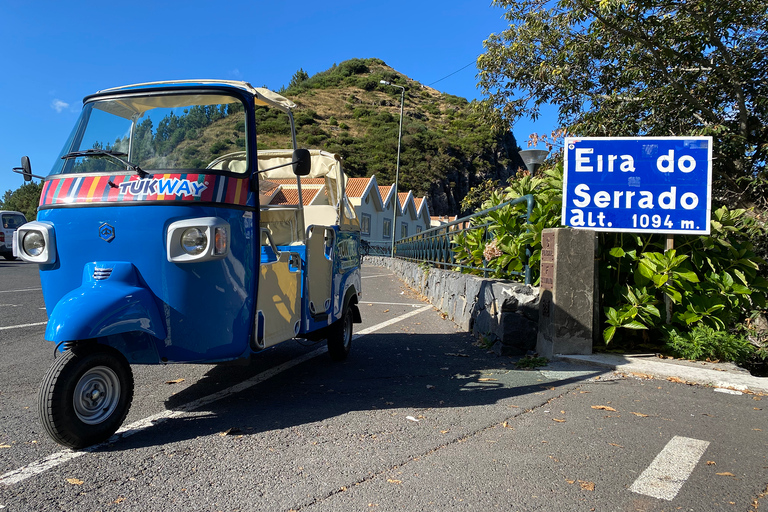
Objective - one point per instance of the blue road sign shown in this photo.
(638, 184)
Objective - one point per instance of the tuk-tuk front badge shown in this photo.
(106, 232)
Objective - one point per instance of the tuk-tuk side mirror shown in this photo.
(25, 169)
(302, 162)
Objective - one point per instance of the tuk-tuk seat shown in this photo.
(284, 225)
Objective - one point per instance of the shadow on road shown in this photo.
(413, 372)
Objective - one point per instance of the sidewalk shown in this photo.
(726, 376)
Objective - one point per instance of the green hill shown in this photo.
(446, 147)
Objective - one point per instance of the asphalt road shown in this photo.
(418, 418)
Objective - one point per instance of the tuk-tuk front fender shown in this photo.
(111, 300)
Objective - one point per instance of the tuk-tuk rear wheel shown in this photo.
(340, 335)
(85, 396)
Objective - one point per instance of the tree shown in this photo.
(298, 78)
(24, 199)
(647, 67)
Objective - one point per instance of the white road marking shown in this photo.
(393, 304)
(377, 275)
(24, 290)
(666, 475)
(22, 326)
(56, 459)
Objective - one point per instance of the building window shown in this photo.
(404, 230)
(418, 229)
(365, 224)
(387, 228)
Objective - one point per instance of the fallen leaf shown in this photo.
(507, 425)
(390, 480)
(486, 379)
(444, 431)
(711, 463)
(727, 473)
(603, 408)
(558, 420)
(757, 429)
(175, 381)
(640, 414)
(230, 431)
(5, 446)
(678, 380)
(587, 486)
(411, 418)
(386, 311)
(616, 445)
(571, 481)
(75, 481)
(119, 500)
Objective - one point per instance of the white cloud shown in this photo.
(59, 105)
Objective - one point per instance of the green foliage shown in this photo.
(503, 245)
(711, 280)
(641, 68)
(706, 343)
(714, 281)
(24, 199)
(531, 362)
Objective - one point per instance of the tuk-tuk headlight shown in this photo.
(35, 242)
(194, 241)
(197, 240)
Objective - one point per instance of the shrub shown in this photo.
(714, 282)
(706, 343)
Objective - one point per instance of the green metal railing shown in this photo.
(434, 246)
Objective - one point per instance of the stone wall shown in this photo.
(503, 313)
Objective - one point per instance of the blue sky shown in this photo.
(55, 53)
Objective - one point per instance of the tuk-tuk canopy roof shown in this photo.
(130, 106)
(324, 164)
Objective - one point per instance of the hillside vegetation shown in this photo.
(446, 147)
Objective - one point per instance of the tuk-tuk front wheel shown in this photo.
(85, 396)
(340, 335)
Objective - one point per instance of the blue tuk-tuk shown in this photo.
(166, 235)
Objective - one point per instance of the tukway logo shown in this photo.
(171, 187)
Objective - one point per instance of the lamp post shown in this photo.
(397, 169)
(533, 158)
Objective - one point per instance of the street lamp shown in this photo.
(397, 170)
(533, 158)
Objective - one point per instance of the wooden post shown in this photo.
(670, 244)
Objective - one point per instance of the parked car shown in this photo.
(9, 222)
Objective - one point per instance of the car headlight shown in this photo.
(36, 243)
(197, 240)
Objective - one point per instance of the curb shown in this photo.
(725, 377)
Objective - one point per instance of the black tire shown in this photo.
(85, 396)
(340, 335)
(9, 257)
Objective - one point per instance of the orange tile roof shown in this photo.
(356, 186)
(304, 181)
(384, 191)
(291, 196)
(418, 201)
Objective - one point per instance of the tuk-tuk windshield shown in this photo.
(158, 132)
